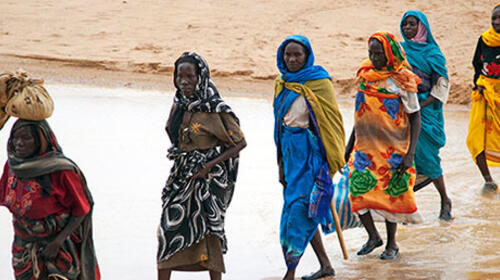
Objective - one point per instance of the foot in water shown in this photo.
(321, 273)
(445, 213)
(390, 253)
(369, 246)
(489, 188)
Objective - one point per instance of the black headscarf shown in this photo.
(205, 99)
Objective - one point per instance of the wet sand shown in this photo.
(117, 138)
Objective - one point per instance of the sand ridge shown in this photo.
(238, 38)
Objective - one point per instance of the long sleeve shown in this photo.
(3, 183)
(476, 61)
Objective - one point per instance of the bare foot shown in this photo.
(489, 188)
(445, 213)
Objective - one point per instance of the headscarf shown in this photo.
(205, 99)
(49, 157)
(421, 36)
(309, 71)
(397, 67)
(490, 37)
(426, 55)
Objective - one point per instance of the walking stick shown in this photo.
(338, 229)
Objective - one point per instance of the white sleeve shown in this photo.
(441, 90)
(410, 102)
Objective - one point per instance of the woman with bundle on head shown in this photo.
(382, 145)
(206, 141)
(51, 207)
(483, 139)
(428, 62)
(309, 137)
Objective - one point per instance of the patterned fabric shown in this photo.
(397, 68)
(382, 134)
(76, 258)
(193, 208)
(31, 237)
(484, 122)
(310, 156)
(486, 61)
(348, 219)
(28, 198)
(426, 58)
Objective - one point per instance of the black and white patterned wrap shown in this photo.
(193, 208)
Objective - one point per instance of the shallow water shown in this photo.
(117, 138)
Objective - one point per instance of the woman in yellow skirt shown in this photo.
(483, 139)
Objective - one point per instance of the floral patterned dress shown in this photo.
(382, 134)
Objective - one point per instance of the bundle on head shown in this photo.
(23, 97)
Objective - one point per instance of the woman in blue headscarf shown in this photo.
(309, 137)
(428, 62)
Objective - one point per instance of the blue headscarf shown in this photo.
(425, 56)
(309, 72)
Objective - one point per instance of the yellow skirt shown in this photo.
(484, 122)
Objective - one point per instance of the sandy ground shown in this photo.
(238, 38)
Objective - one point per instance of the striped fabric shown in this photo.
(348, 219)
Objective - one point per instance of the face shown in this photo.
(24, 142)
(410, 27)
(495, 19)
(187, 78)
(376, 54)
(294, 57)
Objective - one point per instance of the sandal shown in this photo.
(319, 274)
(387, 256)
(368, 247)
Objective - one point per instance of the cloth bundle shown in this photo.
(23, 97)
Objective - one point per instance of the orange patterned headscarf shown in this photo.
(397, 66)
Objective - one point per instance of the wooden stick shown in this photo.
(338, 229)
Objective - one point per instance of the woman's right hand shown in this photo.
(480, 89)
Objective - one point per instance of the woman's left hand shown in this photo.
(405, 164)
(203, 172)
(52, 248)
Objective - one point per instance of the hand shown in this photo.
(480, 89)
(405, 164)
(346, 157)
(203, 172)
(50, 251)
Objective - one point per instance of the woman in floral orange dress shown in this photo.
(382, 145)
